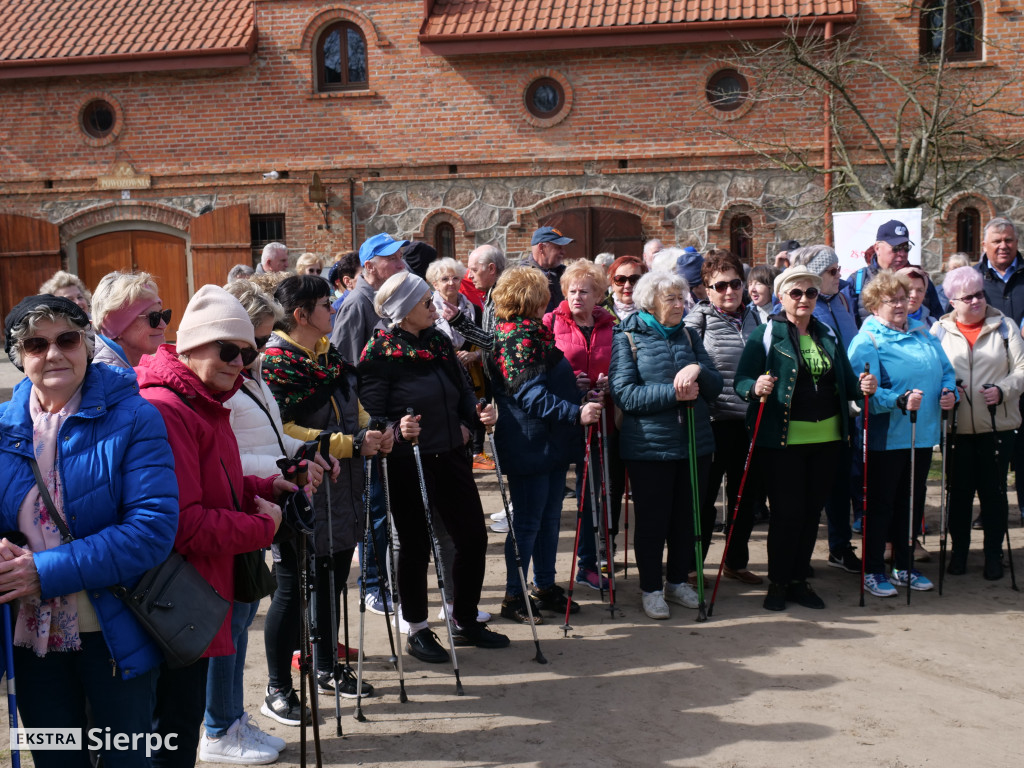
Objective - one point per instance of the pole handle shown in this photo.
(481, 404)
(411, 412)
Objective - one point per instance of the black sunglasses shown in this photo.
(261, 341)
(229, 351)
(796, 294)
(155, 318)
(721, 285)
(623, 279)
(37, 346)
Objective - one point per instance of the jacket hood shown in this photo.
(164, 369)
(880, 329)
(602, 317)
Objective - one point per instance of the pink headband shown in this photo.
(115, 322)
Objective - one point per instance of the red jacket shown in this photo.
(211, 531)
(593, 358)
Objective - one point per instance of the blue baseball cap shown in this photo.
(549, 235)
(894, 233)
(379, 245)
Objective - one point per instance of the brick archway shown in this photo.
(133, 211)
(762, 236)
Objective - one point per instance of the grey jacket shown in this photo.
(724, 344)
(355, 322)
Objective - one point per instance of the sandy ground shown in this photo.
(937, 683)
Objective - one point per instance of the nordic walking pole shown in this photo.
(946, 475)
(625, 529)
(1002, 488)
(943, 496)
(437, 554)
(392, 575)
(864, 492)
(609, 545)
(539, 658)
(702, 610)
(367, 527)
(12, 700)
(910, 522)
(575, 544)
(380, 424)
(739, 498)
(594, 525)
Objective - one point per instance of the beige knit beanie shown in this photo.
(213, 314)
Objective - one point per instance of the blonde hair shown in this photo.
(582, 269)
(307, 260)
(882, 286)
(440, 267)
(520, 291)
(119, 289)
(62, 279)
(256, 302)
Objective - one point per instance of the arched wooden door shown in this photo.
(596, 230)
(163, 256)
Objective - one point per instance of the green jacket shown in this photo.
(780, 360)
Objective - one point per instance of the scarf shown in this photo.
(524, 348)
(665, 331)
(302, 381)
(622, 311)
(46, 625)
(735, 319)
(430, 347)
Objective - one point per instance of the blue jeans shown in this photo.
(536, 513)
(225, 697)
(837, 507)
(378, 539)
(76, 689)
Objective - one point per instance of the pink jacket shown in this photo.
(593, 358)
(211, 530)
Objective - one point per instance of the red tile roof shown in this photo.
(75, 32)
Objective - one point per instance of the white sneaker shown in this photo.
(403, 625)
(682, 594)
(501, 526)
(481, 616)
(498, 516)
(654, 605)
(260, 736)
(236, 748)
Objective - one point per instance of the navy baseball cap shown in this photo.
(549, 235)
(894, 233)
(379, 245)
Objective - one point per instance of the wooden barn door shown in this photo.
(220, 239)
(29, 255)
(596, 230)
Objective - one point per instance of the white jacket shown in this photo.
(997, 358)
(257, 441)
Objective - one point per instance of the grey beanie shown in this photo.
(213, 314)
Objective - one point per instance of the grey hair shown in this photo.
(655, 283)
(490, 254)
(62, 279)
(604, 259)
(119, 289)
(958, 259)
(257, 303)
(650, 247)
(240, 272)
(30, 323)
(270, 249)
(1000, 223)
(664, 261)
(439, 267)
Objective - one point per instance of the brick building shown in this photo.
(179, 137)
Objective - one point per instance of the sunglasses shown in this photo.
(834, 271)
(261, 341)
(901, 247)
(37, 346)
(229, 351)
(971, 297)
(314, 271)
(796, 294)
(721, 285)
(155, 318)
(428, 302)
(623, 279)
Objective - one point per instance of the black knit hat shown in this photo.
(58, 304)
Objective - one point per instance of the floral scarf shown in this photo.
(46, 625)
(524, 348)
(302, 382)
(396, 344)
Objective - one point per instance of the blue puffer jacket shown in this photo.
(653, 426)
(902, 360)
(121, 501)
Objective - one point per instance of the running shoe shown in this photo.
(918, 581)
(845, 558)
(878, 585)
(590, 577)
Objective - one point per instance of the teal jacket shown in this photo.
(779, 357)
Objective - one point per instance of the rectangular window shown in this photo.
(265, 228)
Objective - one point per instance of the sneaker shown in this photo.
(957, 564)
(283, 706)
(499, 516)
(845, 558)
(480, 636)
(654, 605)
(259, 735)
(977, 525)
(553, 599)
(918, 581)
(681, 594)
(425, 646)
(235, 747)
(775, 600)
(375, 603)
(800, 592)
(878, 585)
(591, 578)
(500, 526)
(482, 616)
(858, 525)
(513, 607)
(325, 684)
(483, 461)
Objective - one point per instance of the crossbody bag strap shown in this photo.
(266, 411)
(65, 533)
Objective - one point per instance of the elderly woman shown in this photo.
(317, 393)
(759, 287)
(70, 287)
(623, 275)
(222, 511)
(659, 369)
(583, 331)
(802, 426)
(919, 282)
(80, 655)
(988, 356)
(916, 378)
(724, 324)
(537, 435)
(129, 314)
(412, 364)
(309, 264)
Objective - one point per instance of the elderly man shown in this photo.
(1003, 269)
(651, 248)
(782, 254)
(274, 258)
(484, 267)
(547, 249)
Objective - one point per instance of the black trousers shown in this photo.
(974, 468)
(281, 627)
(889, 505)
(732, 442)
(180, 706)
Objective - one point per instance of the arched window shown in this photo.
(968, 232)
(444, 240)
(953, 27)
(341, 58)
(741, 238)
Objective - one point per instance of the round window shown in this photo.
(726, 90)
(98, 118)
(545, 97)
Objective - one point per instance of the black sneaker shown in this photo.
(284, 707)
(775, 600)
(480, 636)
(845, 559)
(513, 608)
(325, 684)
(993, 567)
(553, 599)
(800, 592)
(425, 646)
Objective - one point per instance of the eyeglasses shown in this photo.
(428, 302)
(229, 351)
(834, 271)
(261, 341)
(721, 285)
(894, 302)
(155, 318)
(623, 279)
(37, 346)
(796, 294)
(901, 247)
(972, 297)
(314, 271)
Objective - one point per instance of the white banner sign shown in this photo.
(856, 232)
